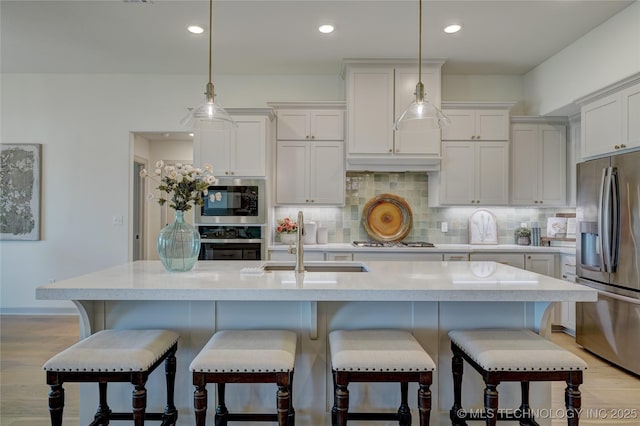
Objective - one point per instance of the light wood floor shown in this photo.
(26, 342)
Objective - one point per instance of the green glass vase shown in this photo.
(179, 245)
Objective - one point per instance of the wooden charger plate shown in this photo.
(387, 217)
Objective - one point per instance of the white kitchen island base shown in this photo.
(427, 298)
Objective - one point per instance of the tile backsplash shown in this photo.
(345, 223)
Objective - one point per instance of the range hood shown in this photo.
(409, 163)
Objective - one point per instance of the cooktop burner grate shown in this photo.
(392, 244)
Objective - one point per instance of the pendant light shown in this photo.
(209, 111)
(421, 108)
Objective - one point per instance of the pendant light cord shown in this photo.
(211, 35)
(420, 44)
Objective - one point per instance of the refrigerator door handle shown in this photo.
(614, 230)
(602, 237)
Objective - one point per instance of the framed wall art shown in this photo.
(20, 175)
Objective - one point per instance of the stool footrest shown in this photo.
(372, 416)
(252, 417)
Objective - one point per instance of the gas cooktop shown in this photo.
(392, 244)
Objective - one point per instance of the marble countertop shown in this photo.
(439, 248)
(384, 281)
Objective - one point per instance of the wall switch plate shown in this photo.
(444, 227)
(117, 220)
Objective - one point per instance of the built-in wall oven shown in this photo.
(233, 201)
(230, 242)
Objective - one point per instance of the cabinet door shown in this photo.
(524, 164)
(601, 126)
(248, 150)
(462, 127)
(457, 174)
(492, 125)
(552, 169)
(292, 180)
(631, 117)
(389, 256)
(326, 173)
(492, 173)
(211, 145)
(327, 125)
(293, 125)
(370, 110)
(542, 263)
(511, 259)
(415, 136)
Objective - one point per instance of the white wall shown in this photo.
(84, 123)
(608, 53)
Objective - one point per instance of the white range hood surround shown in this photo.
(410, 163)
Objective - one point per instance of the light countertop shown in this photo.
(439, 248)
(384, 281)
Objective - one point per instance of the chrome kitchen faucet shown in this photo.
(299, 248)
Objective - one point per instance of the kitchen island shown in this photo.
(428, 298)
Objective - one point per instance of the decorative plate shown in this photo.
(483, 228)
(387, 217)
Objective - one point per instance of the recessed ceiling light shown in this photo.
(452, 29)
(195, 29)
(191, 134)
(326, 28)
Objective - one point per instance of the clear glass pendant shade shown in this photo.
(424, 110)
(209, 112)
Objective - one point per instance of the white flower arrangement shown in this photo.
(183, 183)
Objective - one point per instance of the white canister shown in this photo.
(323, 235)
(310, 230)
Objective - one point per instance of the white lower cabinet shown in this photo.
(568, 309)
(542, 263)
(285, 255)
(511, 259)
(408, 257)
(338, 256)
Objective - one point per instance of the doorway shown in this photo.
(139, 211)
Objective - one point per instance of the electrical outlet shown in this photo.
(444, 227)
(117, 220)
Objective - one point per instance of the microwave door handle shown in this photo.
(601, 228)
(615, 220)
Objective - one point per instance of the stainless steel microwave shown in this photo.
(233, 201)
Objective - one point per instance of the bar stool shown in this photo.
(245, 356)
(379, 356)
(116, 356)
(505, 355)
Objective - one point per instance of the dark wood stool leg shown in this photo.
(424, 398)
(221, 410)
(56, 404)
(334, 408)
(292, 412)
(341, 399)
(200, 399)
(457, 364)
(170, 416)
(491, 402)
(103, 411)
(404, 412)
(573, 398)
(524, 415)
(283, 398)
(139, 403)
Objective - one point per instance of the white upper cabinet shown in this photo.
(538, 164)
(611, 119)
(310, 153)
(476, 124)
(377, 94)
(474, 173)
(327, 125)
(235, 152)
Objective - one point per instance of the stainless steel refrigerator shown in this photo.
(608, 257)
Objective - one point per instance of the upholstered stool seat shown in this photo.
(246, 356)
(379, 356)
(513, 355)
(115, 356)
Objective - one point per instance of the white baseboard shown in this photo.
(39, 311)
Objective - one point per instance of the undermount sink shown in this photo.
(317, 267)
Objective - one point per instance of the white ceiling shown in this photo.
(266, 36)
